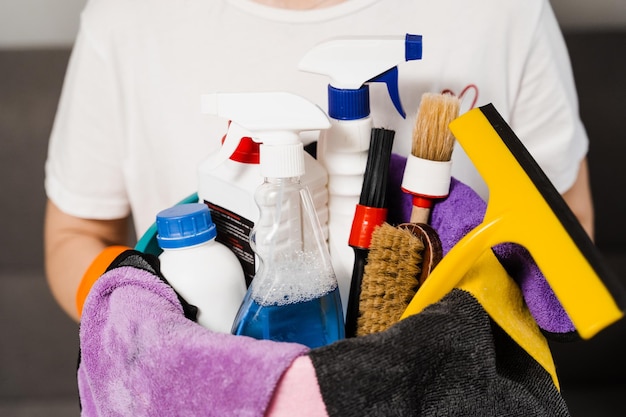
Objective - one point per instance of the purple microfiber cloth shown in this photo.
(456, 215)
(140, 355)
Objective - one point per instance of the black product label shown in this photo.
(233, 231)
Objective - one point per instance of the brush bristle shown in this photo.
(390, 279)
(373, 191)
(432, 138)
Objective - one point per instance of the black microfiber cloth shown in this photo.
(449, 360)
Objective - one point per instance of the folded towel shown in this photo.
(454, 216)
(140, 355)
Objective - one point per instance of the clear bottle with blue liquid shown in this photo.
(294, 295)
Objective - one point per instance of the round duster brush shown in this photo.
(427, 173)
(369, 213)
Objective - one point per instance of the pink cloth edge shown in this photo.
(298, 392)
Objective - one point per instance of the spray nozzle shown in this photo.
(274, 119)
(352, 62)
(390, 78)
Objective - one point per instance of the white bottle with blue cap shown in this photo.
(203, 271)
(351, 64)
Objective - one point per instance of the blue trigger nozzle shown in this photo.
(390, 78)
(412, 47)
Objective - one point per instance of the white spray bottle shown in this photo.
(294, 295)
(351, 63)
(228, 190)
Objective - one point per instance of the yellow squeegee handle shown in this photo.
(525, 208)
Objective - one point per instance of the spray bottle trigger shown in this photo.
(390, 78)
(229, 145)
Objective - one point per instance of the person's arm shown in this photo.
(579, 199)
(70, 245)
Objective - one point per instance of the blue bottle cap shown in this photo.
(346, 104)
(184, 225)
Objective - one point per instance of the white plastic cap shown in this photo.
(426, 177)
(283, 161)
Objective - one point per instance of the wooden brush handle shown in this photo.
(420, 214)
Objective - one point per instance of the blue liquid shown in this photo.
(313, 323)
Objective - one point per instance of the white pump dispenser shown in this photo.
(294, 295)
(352, 63)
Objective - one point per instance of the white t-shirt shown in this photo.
(129, 134)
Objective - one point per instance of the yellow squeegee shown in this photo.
(525, 208)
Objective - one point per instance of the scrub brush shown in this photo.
(428, 168)
(369, 214)
(400, 258)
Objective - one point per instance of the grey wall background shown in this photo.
(53, 23)
(590, 14)
(38, 23)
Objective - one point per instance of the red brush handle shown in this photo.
(366, 219)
